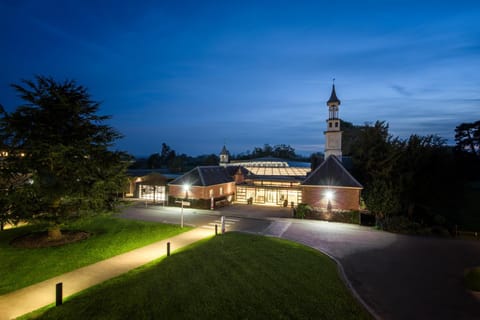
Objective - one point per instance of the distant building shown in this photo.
(149, 184)
(273, 181)
(209, 185)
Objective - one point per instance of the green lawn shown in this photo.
(111, 236)
(234, 276)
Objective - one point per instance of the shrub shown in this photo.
(472, 279)
(399, 224)
(302, 211)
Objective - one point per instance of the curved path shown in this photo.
(398, 276)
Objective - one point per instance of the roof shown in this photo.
(278, 171)
(204, 176)
(333, 97)
(270, 162)
(224, 151)
(331, 173)
(145, 172)
(154, 179)
(232, 170)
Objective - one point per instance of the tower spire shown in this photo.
(333, 96)
(333, 134)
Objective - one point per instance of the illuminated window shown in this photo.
(221, 190)
(211, 193)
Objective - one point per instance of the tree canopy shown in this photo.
(467, 137)
(415, 178)
(58, 139)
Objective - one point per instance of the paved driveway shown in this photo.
(400, 277)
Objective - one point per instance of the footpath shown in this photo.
(28, 299)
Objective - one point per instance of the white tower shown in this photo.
(224, 156)
(333, 135)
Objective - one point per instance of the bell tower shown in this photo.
(333, 134)
(224, 155)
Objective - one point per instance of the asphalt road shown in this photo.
(234, 221)
(398, 276)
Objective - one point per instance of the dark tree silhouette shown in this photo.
(63, 145)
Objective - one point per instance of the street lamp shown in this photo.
(186, 187)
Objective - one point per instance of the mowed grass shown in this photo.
(110, 236)
(233, 276)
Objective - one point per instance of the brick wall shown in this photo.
(197, 192)
(342, 199)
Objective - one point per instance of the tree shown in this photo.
(467, 137)
(350, 133)
(414, 178)
(428, 181)
(374, 158)
(66, 148)
(154, 161)
(167, 155)
(10, 179)
(316, 159)
(284, 151)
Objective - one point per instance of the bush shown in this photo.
(302, 211)
(399, 224)
(472, 279)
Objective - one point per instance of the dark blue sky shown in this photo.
(196, 74)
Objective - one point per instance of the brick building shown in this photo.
(271, 181)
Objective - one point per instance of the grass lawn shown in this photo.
(472, 279)
(234, 276)
(111, 236)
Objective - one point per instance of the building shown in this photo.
(330, 186)
(149, 184)
(208, 186)
(271, 181)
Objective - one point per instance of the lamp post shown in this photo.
(186, 187)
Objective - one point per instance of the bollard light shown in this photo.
(59, 294)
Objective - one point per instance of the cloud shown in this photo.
(401, 90)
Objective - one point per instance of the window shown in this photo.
(221, 190)
(336, 124)
(211, 193)
(330, 124)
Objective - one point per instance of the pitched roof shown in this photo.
(224, 151)
(154, 179)
(232, 170)
(333, 97)
(331, 173)
(204, 176)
